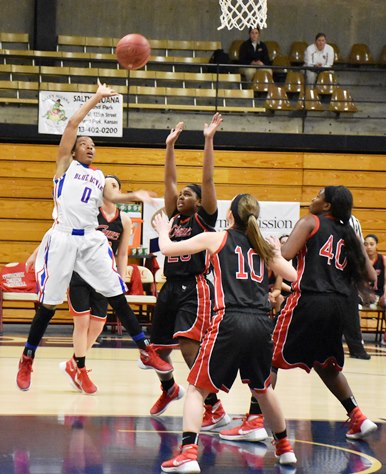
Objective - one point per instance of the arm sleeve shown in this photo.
(330, 56)
(307, 57)
(243, 54)
(265, 54)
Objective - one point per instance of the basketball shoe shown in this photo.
(214, 417)
(251, 429)
(166, 398)
(70, 369)
(284, 451)
(23, 378)
(360, 425)
(185, 461)
(84, 381)
(149, 359)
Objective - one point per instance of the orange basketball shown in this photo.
(133, 51)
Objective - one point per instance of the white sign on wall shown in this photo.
(55, 108)
(276, 218)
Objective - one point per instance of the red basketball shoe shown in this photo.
(84, 381)
(70, 369)
(214, 417)
(149, 359)
(284, 451)
(185, 461)
(251, 429)
(23, 378)
(360, 425)
(166, 398)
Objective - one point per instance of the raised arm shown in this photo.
(122, 253)
(208, 198)
(279, 265)
(298, 237)
(170, 179)
(205, 241)
(68, 139)
(115, 196)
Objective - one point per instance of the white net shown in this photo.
(242, 14)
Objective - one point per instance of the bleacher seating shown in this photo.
(14, 40)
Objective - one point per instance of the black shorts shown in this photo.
(183, 309)
(83, 299)
(236, 341)
(308, 331)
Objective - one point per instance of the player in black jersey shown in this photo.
(331, 262)
(183, 309)
(88, 307)
(239, 337)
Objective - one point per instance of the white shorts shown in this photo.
(90, 255)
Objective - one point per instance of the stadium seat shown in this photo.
(273, 49)
(261, 80)
(296, 54)
(234, 51)
(341, 101)
(326, 83)
(360, 54)
(294, 82)
(277, 99)
(337, 54)
(312, 102)
(282, 60)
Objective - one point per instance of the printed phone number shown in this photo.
(98, 130)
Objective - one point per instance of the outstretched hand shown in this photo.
(210, 130)
(105, 91)
(161, 223)
(275, 243)
(145, 196)
(174, 133)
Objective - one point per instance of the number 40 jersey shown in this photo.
(78, 195)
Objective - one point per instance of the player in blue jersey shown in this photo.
(74, 244)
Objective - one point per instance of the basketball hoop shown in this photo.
(242, 14)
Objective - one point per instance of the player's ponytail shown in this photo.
(341, 201)
(245, 209)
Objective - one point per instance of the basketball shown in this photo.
(133, 51)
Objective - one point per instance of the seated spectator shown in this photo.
(255, 52)
(318, 55)
(377, 296)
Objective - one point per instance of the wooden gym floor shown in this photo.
(52, 429)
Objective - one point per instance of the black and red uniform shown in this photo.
(379, 267)
(309, 328)
(239, 337)
(184, 303)
(82, 298)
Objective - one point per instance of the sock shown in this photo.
(254, 407)
(211, 399)
(167, 384)
(188, 437)
(128, 320)
(349, 404)
(281, 435)
(38, 327)
(80, 362)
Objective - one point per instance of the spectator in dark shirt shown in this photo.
(255, 52)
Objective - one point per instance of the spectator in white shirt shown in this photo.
(318, 55)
